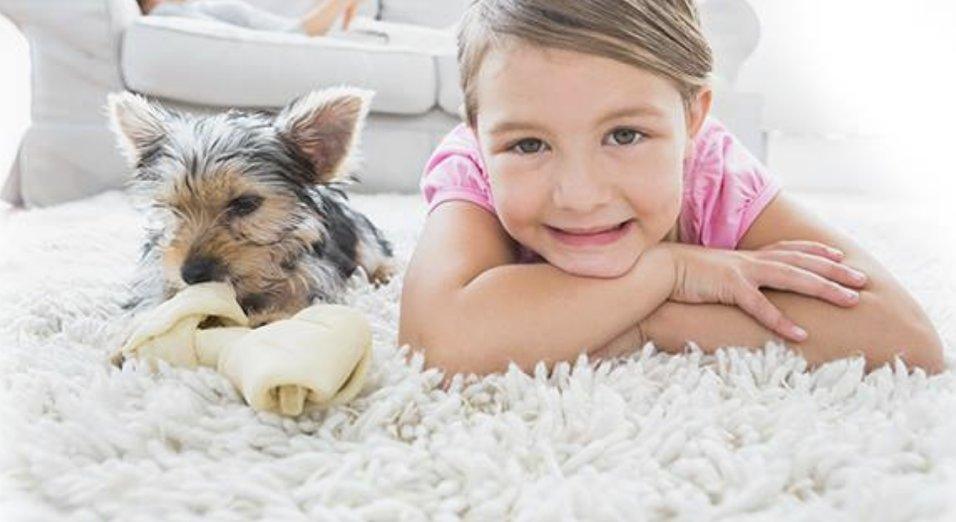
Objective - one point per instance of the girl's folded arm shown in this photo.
(471, 308)
(886, 321)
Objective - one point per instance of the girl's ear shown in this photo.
(325, 126)
(699, 109)
(137, 123)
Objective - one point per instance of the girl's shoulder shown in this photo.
(455, 171)
(725, 188)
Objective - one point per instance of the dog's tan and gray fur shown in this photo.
(254, 199)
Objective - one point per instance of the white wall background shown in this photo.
(859, 93)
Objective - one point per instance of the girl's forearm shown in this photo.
(537, 312)
(871, 328)
(318, 21)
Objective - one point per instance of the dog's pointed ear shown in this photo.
(326, 126)
(137, 123)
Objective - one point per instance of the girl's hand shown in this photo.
(734, 277)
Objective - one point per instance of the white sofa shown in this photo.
(83, 49)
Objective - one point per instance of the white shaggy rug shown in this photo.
(742, 435)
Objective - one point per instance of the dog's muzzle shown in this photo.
(201, 269)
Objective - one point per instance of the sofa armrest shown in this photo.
(733, 29)
(67, 152)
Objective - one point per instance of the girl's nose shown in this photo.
(580, 188)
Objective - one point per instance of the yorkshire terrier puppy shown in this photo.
(254, 199)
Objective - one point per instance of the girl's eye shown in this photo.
(528, 146)
(245, 205)
(624, 136)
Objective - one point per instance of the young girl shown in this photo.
(591, 204)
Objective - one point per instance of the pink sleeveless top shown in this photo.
(725, 186)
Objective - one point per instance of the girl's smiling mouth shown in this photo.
(594, 236)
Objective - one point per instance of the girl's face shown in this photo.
(585, 155)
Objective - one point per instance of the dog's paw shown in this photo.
(116, 344)
(263, 318)
(120, 332)
(117, 358)
(382, 274)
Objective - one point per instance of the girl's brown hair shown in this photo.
(661, 36)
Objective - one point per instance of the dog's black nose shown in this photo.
(200, 269)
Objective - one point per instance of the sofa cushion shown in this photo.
(245, 68)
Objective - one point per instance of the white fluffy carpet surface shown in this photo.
(739, 435)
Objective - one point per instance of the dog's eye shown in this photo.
(245, 205)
